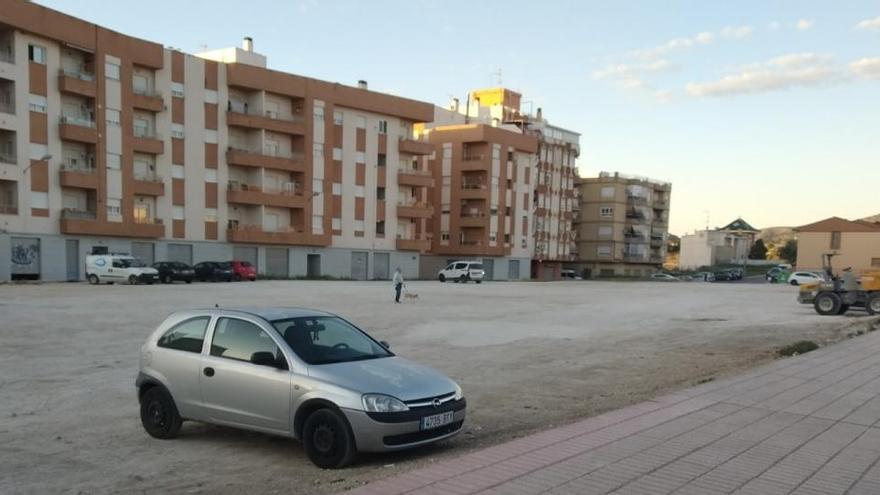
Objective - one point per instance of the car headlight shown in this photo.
(379, 403)
(458, 392)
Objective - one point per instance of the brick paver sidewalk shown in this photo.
(803, 425)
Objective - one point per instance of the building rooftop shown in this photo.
(837, 224)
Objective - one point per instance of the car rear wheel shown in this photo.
(827, 303)
(132, 280)
(478, 281)
(442, 278)
(872, 305)
(93, 279)
(463, 279)
(793, 282)
(328, 440)
(159, 415)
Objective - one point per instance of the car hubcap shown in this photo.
(324, 438)
(156, 413)
(826, 304)
(875, 304)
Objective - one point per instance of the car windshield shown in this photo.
(328, 339)
(476, 266)
(131, 263)
(245, 263)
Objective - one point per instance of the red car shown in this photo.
(243, 270)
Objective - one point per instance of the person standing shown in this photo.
(397, 281)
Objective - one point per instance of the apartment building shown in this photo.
(622, 225)
(109, 140)
(711, 247)
(489, 150)
(855, 243)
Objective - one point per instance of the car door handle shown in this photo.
(208, 371)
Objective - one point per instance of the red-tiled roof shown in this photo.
(837, 224)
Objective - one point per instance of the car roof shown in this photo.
(267, 313)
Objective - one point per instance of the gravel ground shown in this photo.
(528, 355)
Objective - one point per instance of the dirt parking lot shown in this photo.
(528, 355)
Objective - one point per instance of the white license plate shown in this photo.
(437, 420)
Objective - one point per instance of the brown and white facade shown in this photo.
(854, 243)
(622, 225)
(115, 141)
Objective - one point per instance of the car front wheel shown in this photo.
(328, 440)
(442, 278)
(93, 279)
(159, 414)
(132, 280)
(463, 279)
(793, 282)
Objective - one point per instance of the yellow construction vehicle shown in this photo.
(843, 292)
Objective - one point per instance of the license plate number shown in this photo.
(437, 420)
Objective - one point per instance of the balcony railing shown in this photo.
(634, 237)
(149, 221)
(269, 114)
(472, 214)
(7, 106)
(150, 92)
(8, 209)
(148, 177)
(466, 242)
(146, 133)
(77, 74)
(78, 120)
(74, 214)
(636, 199)
(82, 168)
(290, 155)
(472, 157)
(473, 185)
(414, 171)
(8, 158)
(295, 191)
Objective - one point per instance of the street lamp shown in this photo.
(44, 158)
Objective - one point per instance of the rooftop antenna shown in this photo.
(493, 75)
(706, 212)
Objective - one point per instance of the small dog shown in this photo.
(410, 295)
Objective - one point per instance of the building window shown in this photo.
(210, 175)
(177, 90)
(37, 53)
(507, 211)
(40, 200)
(604, 251)
(337, 118)
(383, 127)
(444, 236)
(361, 122)
(360, 157)
(380, 160)
(359, 225)
(380, 227)
(178, 172)
(608, 192)
(875, 262)
(319, 113)
(177, 213)
(359, 192)
(337, 189)
(111, 71)
(211, 136)
(835, 240)
(605, 231)
(37, 103)
(337, 154)
(211, 96)
(444, 208)
(210, 214)
(606, 211)
(336, 223)
(113, 117)
(114, 161)
(114, 207)
(318, 151)
(177, 131)
(380, 193)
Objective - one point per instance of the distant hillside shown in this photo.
(872, 218)
(774, 238)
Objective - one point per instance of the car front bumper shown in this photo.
(377, 436)
(148, 278)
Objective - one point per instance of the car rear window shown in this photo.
(245, 263)
(187, 335)
(476, 266)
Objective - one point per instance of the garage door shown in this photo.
(277, 262)
(489, 268)
(380, 266)
(25, 259)
(180, 252)
(513, 269)
(145, 251)
(359, 266)
(245, 254)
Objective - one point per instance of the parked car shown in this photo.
(570, 275)
(213, 271)
(723, 276)
(118, 268)
(462, 271)
(703, 276)
(798, 278)
(664, 277)
(172, 271)
(294, 372)
(243, 270)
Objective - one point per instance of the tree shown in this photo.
(789, 251)
(758, 251)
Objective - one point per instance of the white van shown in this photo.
(118, 268)
(462, 271)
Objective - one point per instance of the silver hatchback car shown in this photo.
(295, 372)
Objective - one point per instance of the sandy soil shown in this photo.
(528, 355)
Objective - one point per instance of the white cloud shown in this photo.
(866, 67)
(702, 38)
(629, 71)
(869, 24)
(804, 24)
(787, 71)
(738, 32)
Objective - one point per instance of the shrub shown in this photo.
(800, 347)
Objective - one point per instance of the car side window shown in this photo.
(240, 339)
(117, 264)
(460, 266)
(187, 335)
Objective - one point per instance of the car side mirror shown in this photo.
(385, 344)
(264, 358)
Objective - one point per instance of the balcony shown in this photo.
(474, 162)
(657, 242)
(473, 219)
(251, 234)
(8, 158)
(147, 99)
(79, 176)
(148, 185)
(8, 209)
(147, 141)
(414, 209)
(421, 244)
(291, 162)
(413, 147)
(636, 200)
(474, 190)
(7, 106)
(254, 195)
(77, 83)
(80, 129)
(271, 121)
(661, 204)
(414, 177)
(81, 222)
(634, 237)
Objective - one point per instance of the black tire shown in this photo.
(94, 280)
(159, 414)
(479, 281)
(794, 282)
(872, 303)
(238, 278)
(188, 281)
(463, 279)
(328, 439)
(827, 303)
(132, 280)
(442, 278)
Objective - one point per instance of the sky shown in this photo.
(765, 110)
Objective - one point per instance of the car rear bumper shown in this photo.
(148, 278)
(375, 436)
